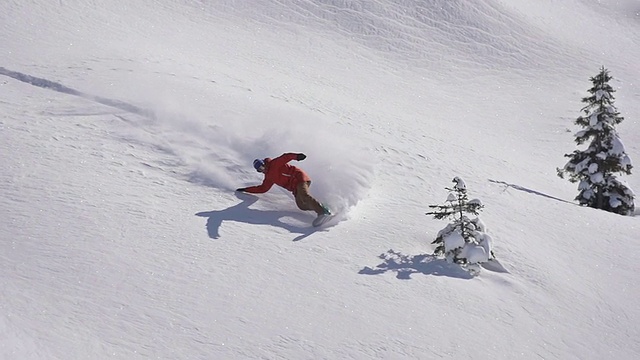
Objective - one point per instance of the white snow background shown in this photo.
(125, 126)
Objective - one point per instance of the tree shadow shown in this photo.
(242, 213)
(406, 265)
(521, 188)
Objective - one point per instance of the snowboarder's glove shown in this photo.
(301, 157)
(241, 189)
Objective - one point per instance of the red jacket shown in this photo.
(277, 171)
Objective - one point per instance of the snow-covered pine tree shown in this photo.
(594, 167)
(463, 241)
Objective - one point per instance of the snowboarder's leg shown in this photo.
(305, 201)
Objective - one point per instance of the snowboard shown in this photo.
(322, 219)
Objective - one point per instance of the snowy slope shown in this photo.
(126, 126)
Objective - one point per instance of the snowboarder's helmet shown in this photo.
(257, 163)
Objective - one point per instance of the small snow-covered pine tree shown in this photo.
(464, 240)
(594, 167)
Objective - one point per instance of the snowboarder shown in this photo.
(278, 171)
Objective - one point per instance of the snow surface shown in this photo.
(126, 125)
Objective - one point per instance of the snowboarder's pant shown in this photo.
(304, 200)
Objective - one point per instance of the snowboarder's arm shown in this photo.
(286, 157)
(258, 189)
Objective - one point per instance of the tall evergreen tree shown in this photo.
(595, 167)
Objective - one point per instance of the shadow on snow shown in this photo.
(55, 86)
(406, 265)
(521, 188)
(242, 213)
